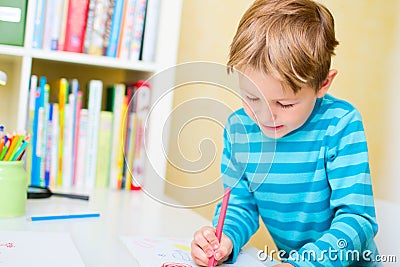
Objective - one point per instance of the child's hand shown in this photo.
(205, 245)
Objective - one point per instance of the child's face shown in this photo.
(276, 111)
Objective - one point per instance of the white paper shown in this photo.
(38, 249)
(158, 251)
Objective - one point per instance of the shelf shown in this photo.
(77, 58)
(99, 61)
(12, 51)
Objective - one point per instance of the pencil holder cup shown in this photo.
(13, 189)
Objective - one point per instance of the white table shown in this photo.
(122, 213)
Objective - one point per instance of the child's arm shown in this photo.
(242, 217)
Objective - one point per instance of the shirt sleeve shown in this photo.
(241, 220)
(354, 225)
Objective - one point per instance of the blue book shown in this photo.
(49, 140)
(36, 136)
(115, 29)
(40, 12)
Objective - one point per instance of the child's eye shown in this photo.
(252, 99)
(286, 106)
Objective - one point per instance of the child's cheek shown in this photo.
(248, 110)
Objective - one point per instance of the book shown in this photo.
(128, 138)
(54, 138)
(100, 17)
(80, 171)
(63, 25)
(76, 25)
(107, 32)
(33, 83)
(142, 107)
(49, 143)
(62, 101)
(137, 31)
(43, 121)
(77, 134)
(69, 135)
(124, 44)
(104, 149)
(12, 22)
(67, 170)
(89, 26)
(94, 107)
(57, 22)
(40, 13)
(150, 31)
(115, 28)
(36, 177)
(115, 97)
(50, 15)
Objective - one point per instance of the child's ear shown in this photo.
(327, 83)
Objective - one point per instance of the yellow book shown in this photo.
(62, 100)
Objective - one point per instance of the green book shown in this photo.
(104, 149)
(12, 21)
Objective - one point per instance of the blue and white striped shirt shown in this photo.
(312, 187)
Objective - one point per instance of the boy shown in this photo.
(294, 155)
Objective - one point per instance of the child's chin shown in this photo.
(276, 135)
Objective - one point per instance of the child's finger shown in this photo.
(198, 255)
(201, 241)
(224, 250)
(209, 234)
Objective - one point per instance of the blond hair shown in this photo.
(293, 40)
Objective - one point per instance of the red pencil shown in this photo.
(218, 232)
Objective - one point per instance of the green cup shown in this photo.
(13, 189)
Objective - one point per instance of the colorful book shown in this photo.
(36, 178)
(107, 33)
(137, 31)
(115, 99)
(76, 25)
(142, 108)
(124, 44)
(127, 138)
(150, 31)
(89, 26)
(94, 107)
(31, 116)
(130, 154)
(101, 15)
(104, 149)
(112, 47)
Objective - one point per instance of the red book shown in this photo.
(76, 25)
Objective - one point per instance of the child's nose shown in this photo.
(266, 114)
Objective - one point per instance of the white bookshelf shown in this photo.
(21, 62)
